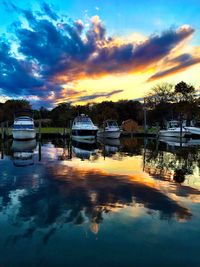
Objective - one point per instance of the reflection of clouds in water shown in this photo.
(77, 196)
(58, 193)
(73, 192)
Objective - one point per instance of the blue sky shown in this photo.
(122, 16)
(131, 25)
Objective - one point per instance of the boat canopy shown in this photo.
(173, 124)
(23, 118)
(23, 121)
(111, 123)
(23, 126)
(82, 119)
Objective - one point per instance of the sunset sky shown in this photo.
(94, 50)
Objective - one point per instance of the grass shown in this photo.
(151, 130)
(49, 130)
(44, 130)
(61, 130)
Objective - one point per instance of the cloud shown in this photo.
(184, 61)
(54, 51)
(48, 10)
(98, 95)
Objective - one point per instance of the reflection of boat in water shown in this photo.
(20, 146)
(23, 128)
(23, 152)
(176, 142)
(83, 141)
(84, 150)
(111, 146)
(109, 142)
(110, 129)
(111, 149)
(83, 128)
(173, 130)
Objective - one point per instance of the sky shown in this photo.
(89, 51)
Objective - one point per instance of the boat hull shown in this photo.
(109, 134)
(83, 134)
(167, 133)
(24, 134)
(193, 130)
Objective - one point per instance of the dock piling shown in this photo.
(39, 129)
(2, 131)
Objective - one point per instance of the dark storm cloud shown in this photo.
(53, 51)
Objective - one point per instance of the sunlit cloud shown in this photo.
(54, 56)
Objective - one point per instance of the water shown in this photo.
(130, 203)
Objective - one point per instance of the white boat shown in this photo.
(193, 130)
(110, 129)
(83, 128)
(23, 128)
(174, 130)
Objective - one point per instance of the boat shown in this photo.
(110, 129)
(192, 126)
(83, 128)
(174, 130)
(193, 130)
(23, 128)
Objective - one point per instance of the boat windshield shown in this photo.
(112, 123)
(23, 119)
(23, 126)
(84, 120)
(173, 124)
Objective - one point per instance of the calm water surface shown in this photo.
(131, 202)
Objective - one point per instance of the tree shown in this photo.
(61, 115)
(161, 93)
(44, 113)
(12, 106)
(184, 92)
(159, 103)
(187, 105)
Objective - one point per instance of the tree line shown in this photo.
(164, 102)
(167, 101)
(63, 114)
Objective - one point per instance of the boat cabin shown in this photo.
(23, 122)
(110, 124)
(82, 119)
(173, 124)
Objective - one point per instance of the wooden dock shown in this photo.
(62, 132)
(6, 133)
